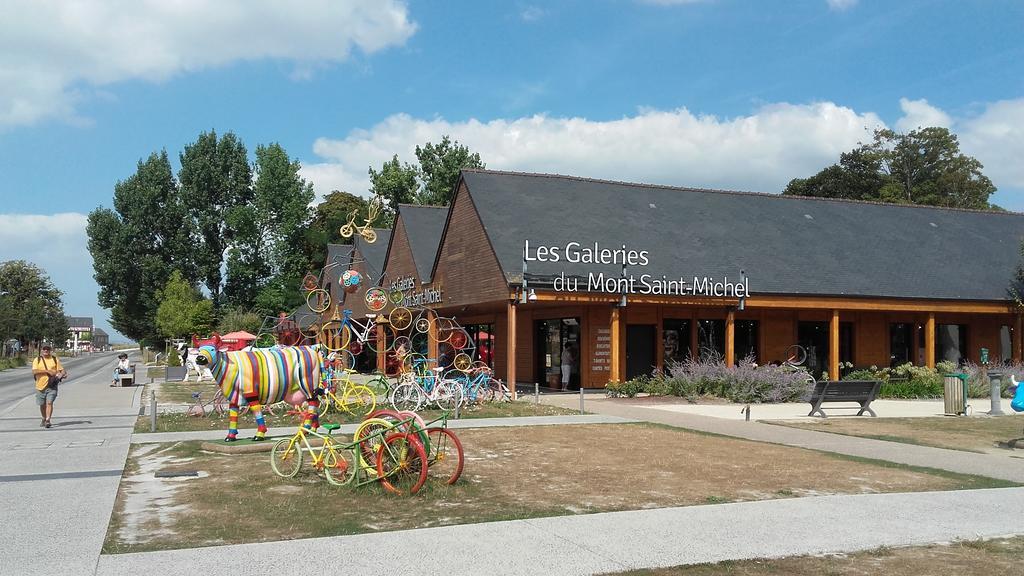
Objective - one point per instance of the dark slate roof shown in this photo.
(374, 253)
(424, 226)
(339, 255)
(79, 322)
(99, 332)
(786, 245)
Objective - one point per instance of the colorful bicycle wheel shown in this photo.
(462, 362)
(318, 300)
(400, 318)
(422, 325)
(359, 400)
(402, 464)
(370, 435)
(397, 297)
(265, 340)
(445, 459)
(376, 299)
(286, 458)
(339, 466)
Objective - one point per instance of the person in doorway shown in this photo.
(567, 362)
(48, 372)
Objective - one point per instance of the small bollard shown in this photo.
(536, 393)
(581, 398)
(995, 379)
(746, 410)
(458, 402)
(152, 411)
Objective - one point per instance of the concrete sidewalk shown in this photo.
(1005, 467)
(58, 485)
(596, 543)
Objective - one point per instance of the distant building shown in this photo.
(80, 330)
(100, 339)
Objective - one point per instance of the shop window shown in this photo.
(900, 343)
(813, 336)
(951, 343)
(745, 340)
(482, 336)
(558, 352)
(711, 339)
(675, 336)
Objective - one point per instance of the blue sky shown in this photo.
(715, 93)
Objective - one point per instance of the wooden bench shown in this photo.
(127, 379)
(863, 392)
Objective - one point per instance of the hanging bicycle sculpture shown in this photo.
(366, 228)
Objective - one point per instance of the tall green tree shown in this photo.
(183, 310)
(328, 216)
(136, 245)
(216, 179)
(31, 309)
(439, 169)
(267, 255)
(396, 183)
(923, 166)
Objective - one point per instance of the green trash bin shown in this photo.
(954, 394)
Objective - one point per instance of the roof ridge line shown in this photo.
(734, 192)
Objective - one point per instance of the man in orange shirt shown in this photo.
(48, 372)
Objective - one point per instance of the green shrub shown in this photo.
(658, 385)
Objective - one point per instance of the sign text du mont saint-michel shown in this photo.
(594, 253)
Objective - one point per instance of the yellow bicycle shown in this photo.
(335, 460)
(344, 395)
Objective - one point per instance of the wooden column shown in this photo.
(929, 341)
(1016, 338)
(833, 346)
(433, 350)
(616, 361)
(730, 338)
(382, 354)
(510, 347)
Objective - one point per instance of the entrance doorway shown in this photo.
(813, 336)
(558, 352)
(640, 342)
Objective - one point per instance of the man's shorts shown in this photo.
(46, 396)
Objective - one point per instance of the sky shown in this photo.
(732, 94)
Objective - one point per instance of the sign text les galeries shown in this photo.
(594, 253)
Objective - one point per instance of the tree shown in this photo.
(215, 180)
(439, 170)
(396, 184)
(30, 305)
(182, 310)
(236, 319)
(924, 166)
(269, 242)
(136, 245)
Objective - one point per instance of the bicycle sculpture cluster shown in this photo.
(366, 228)
(398, 449)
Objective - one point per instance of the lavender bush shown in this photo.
(745, 382)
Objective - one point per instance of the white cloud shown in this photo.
(531, 13)
(996, 138)
(921, 114)
(54, 53)
(762, 151)
(841, 5)
(57, 244)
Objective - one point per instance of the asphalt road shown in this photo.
(17, 384)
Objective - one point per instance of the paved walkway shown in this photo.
(597, 543)
(58, 485)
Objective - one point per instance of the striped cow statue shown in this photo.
(264, 376)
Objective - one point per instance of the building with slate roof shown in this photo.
(617, 278)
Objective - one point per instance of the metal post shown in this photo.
(746, 410)
(994, 379)
(152, 411)
(581, 398)
(458, 402)
(536, 393)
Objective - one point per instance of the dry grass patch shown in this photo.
(509, 473)
(985, 434)
(180, 422)
(1001, 557)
